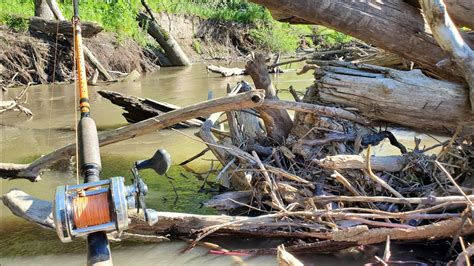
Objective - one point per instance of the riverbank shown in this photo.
(40, 58)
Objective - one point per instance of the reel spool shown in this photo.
(92, 207)
(79, 210)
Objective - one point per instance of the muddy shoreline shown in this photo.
(35, 57)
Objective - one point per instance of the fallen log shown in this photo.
(450, 40)
(182, 224)
(407, 98)
(226, 72)
(236, 71)
(139, 109)
(33, 170)
(53, 27)
(408, 36)
(54, 8)
(172, 49)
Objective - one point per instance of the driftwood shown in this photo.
(139, 109)
(407, 98)
(236, 71)
(225, 71)
(88, 29)
(33, 170)
(285, 258)
(450, 40)
(180, 224)
(16, 104)
(412, 40)
(378, 163)
(172, 49)
(277, 122)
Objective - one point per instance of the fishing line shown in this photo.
(75, 101)
(53, 81)
(91, 210)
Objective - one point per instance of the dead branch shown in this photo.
(241, 101)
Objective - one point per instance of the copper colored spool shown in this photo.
(91, 210)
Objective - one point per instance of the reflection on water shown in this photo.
(52, 126)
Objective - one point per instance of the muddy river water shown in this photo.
(22, 140)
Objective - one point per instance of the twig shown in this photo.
(345, 183)
(466, 255)
(288, 62)
(195, 156)
(378, 179)
(425, 201)
(271, 183)
(453, 181)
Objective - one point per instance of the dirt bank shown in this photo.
(30, 56)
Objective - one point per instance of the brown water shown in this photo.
(23, 243)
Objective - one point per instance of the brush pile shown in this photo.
(317, 183)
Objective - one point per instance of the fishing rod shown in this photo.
(98, 207)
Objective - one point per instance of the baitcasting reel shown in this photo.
(79, 210)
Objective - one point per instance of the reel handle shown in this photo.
(160, 162)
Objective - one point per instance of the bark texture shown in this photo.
(407, 98)
(88, 29)
(167, 42)
(370, 21)
(450, 40)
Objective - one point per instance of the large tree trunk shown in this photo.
(449, 38)
(392, 25)
(172, 49)
(461, 11)
(52, 27)
(42, 10)
(407, 98)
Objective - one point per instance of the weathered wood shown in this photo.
(176, 224)
(95, 63)
(285, 258)
(53, 5)
(240, 101)
(407, 98)
(318, 109)
(378, 163)
(408, 36)
(172, 49)
(87, 53)
(88, 29)
(461, 11)
(42, 9)
(450, 40)
(277, 122)
(225, 71)
(229, 200)
(139, 109)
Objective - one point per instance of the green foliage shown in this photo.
(197, 46)
(224, 10)
(119, 16)
(15, 22)
(14, 13)
(279, 37)
(329, 37)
